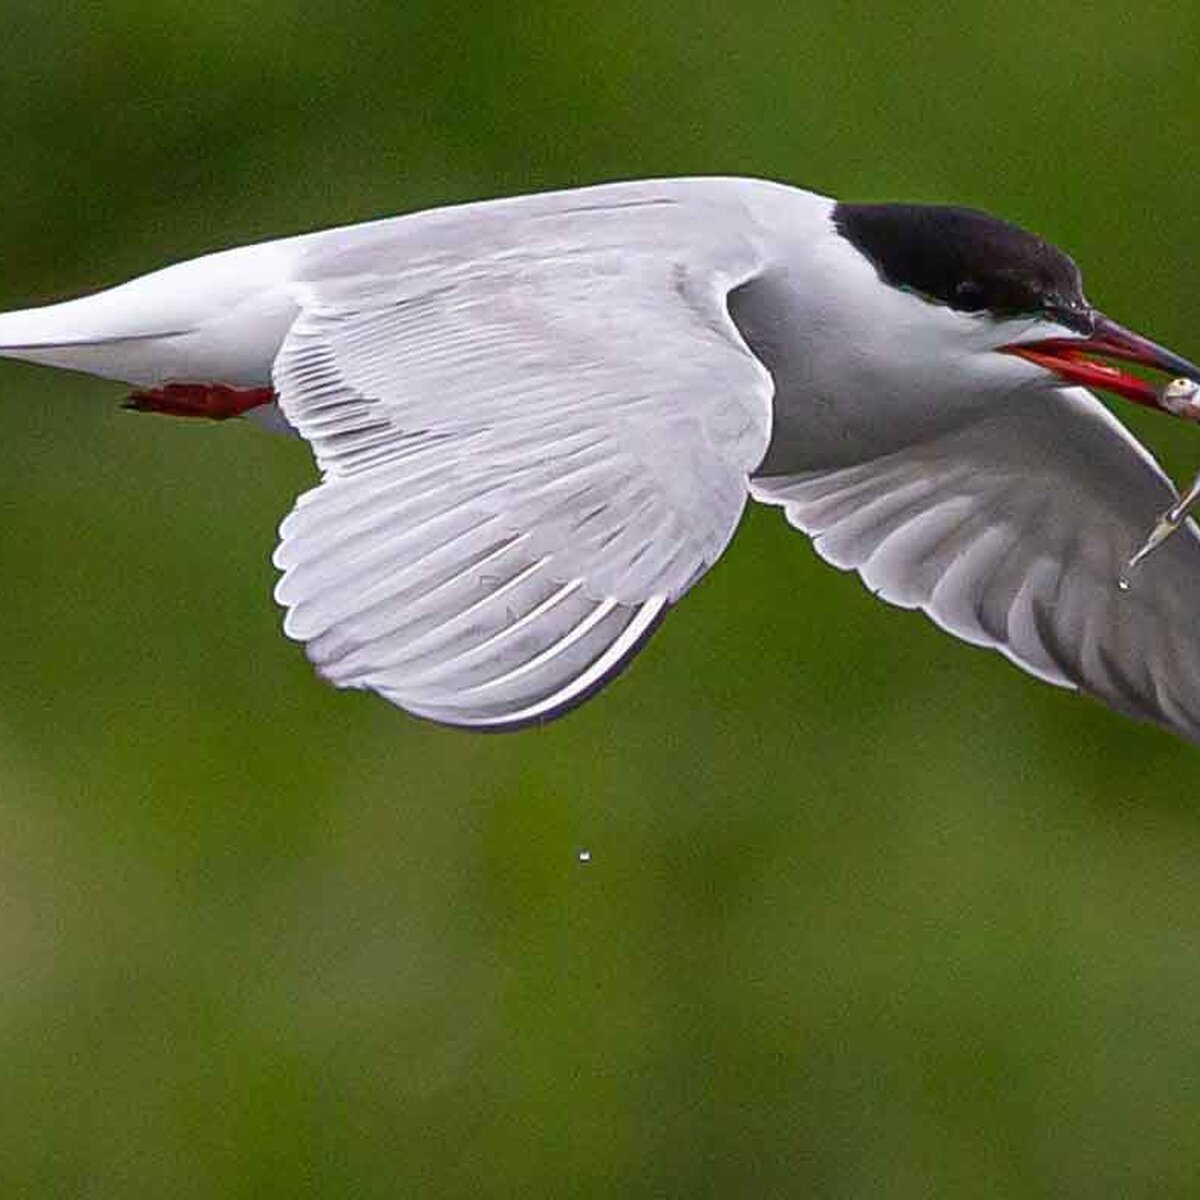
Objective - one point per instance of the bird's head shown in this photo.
(1027, 294)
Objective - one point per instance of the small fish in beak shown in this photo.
(1182, 398)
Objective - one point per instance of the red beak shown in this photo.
(1074, 359)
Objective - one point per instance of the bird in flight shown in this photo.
(538, 420)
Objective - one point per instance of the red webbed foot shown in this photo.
(212, 400)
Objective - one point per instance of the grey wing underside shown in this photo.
(531, 445)
(1013, 532)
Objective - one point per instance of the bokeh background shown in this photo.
(867, 912)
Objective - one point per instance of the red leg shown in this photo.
(212, 400)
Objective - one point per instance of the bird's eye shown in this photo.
(969, 296)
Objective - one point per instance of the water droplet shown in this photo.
(1123, 583)
(584, 856)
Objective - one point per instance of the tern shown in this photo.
(538, 420)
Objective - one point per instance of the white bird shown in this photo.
(538, 419)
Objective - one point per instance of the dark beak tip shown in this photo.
(1136, 348)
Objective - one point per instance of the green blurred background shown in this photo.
(867, 913)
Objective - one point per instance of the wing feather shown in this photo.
(1013, 532)
(529, 449)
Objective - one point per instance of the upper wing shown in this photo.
(531, 444)
(1013, 532)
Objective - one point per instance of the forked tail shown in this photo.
(217, 319)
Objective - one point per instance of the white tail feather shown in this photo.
(217, 319)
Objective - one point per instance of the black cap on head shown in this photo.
(966, 259)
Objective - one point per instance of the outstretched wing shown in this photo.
(535, 426)
(1013, 532)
